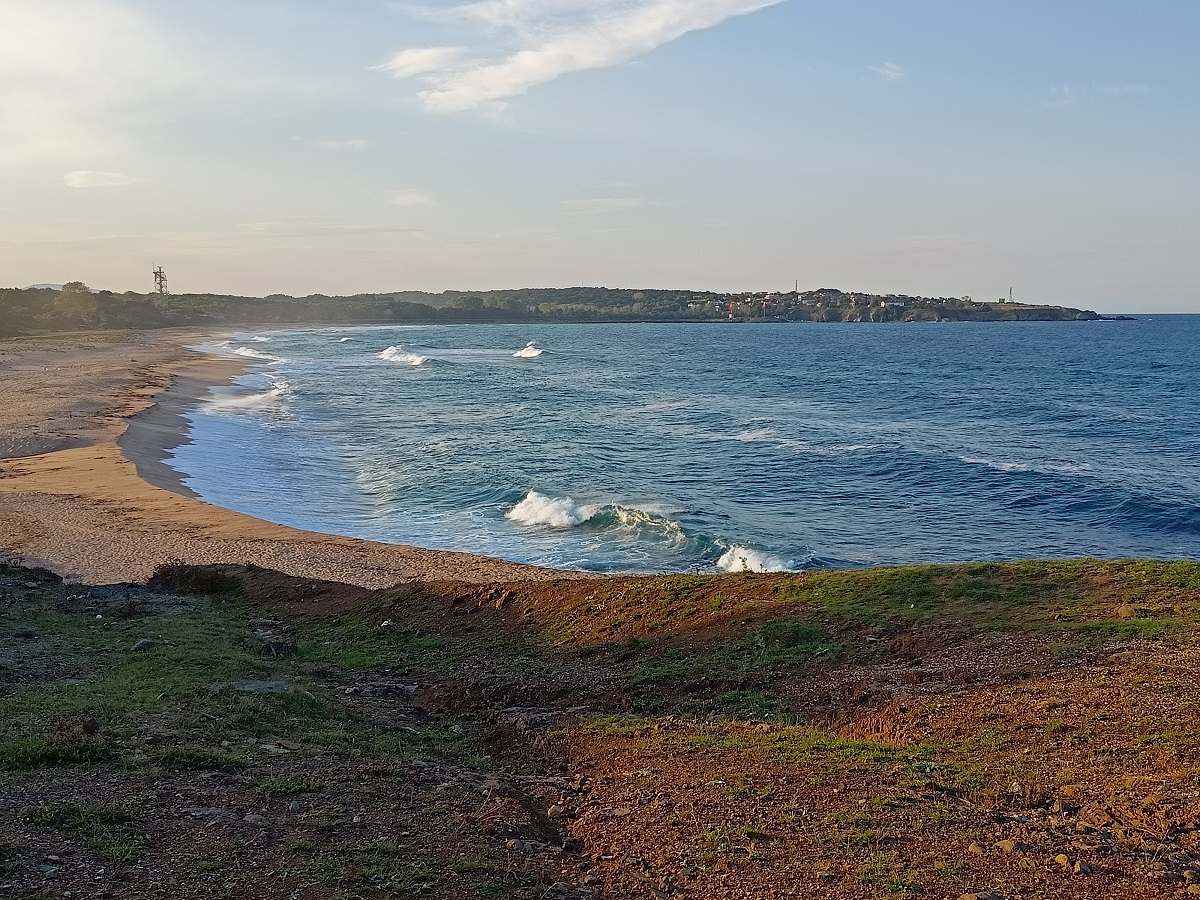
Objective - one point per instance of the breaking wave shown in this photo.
(747, 559)
(255, 354)
(563, 512)
(264, 401)
(400, 355)
(529, 351)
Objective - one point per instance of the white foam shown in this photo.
(555, 512)
(265, 401)
(343, 340)
(400, 355)
(529, 351)
(747, 559)
(1042, 467)
(259, 339)
(255, 354)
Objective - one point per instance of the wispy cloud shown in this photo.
(1068, 94)
(88, 179)
(1122, 90)
(352, 145)
(608, 204)
(550, 38)
(889, 72)
(410, 198)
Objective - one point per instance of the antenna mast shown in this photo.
(160, 282)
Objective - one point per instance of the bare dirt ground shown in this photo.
(1015, 731)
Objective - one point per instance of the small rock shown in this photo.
(975, 848)
(556, 810)
(1082, 868)
(985, 895)
(141, 646)
(49, 871)
(1063, 860)
(1126, 611)
(294, 806)
(1006, 846)
(357, 820)
(255, 819)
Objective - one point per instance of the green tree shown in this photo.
(75, 303)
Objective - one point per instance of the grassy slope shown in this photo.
(826, 734)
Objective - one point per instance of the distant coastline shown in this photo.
(48, 309)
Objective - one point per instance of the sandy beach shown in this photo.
(86, 422)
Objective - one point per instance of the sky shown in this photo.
(932, 147)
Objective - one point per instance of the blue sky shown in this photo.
(942, 148)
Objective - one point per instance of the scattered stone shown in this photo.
(1063, 860)
(975, 848)
(985, 895)
(49, 871)
(556, 810)
(294, 806)
(255, 819)
(142, 646)
(1007, 846)
(1082, 868)
(523, 846)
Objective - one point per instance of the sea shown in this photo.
(720, 446)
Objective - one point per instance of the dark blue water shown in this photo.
(695, 447)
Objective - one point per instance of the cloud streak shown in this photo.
(889, 72)
(552, 38)
(88, 179)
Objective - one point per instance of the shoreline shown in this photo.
(86, 426)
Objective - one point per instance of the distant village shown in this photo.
(833, 305)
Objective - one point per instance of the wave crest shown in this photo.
(746, 559)
(400, 355)
(529, 351)
(265, 401)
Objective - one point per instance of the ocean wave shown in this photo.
(259, 339)
(400, 355)
(773, 437)
(265, 401)
(529, 351)
(251, 353)
(536, 508)
(746, 559)
(1042, 467)
(344, 340)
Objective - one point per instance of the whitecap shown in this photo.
(529, 351)
(255, 354)
(746, 559)
(555, 512)
(265, 401)
(400, 355)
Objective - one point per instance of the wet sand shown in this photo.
(86, 424)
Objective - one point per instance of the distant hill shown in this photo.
(49, 308)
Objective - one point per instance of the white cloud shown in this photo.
(1062, 95)
(552, 38)
(353, 145)
(88, 179)
(889, 72)
(421, 61)
(608, 204)
(410, 198)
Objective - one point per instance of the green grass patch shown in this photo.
(37, 752)
(199, 759)
(103, 828)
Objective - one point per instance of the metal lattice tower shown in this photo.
(160, 282)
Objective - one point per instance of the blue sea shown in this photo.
(672, 447)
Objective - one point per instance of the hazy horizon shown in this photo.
(725, 145)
